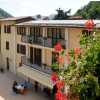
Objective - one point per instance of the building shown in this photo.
(7, 41)
(27, 47)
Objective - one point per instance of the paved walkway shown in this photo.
(6, 93)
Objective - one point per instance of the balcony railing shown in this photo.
(43, 41)
(32, 40)
(43, 68)
(47, 42)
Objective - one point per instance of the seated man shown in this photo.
(20, 88)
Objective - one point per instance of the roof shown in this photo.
(76, 17)
(98, 25)
(73, 23)
(15, 18)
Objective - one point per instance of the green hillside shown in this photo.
(91, 10)
(4, 14)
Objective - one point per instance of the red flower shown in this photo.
(60, 96)
(60, 84)
(54, 77)
(76, 50)
(58, 47)
(89, 24)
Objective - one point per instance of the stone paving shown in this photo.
(6, 93)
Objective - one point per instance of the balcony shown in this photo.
(43, 41)
(47, 42)
(32, 40)
(43, 68)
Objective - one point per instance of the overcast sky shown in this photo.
(43, 7)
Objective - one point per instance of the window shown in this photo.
(18, 46)
(7, 45)
(56, 33)
(21, 49)
(49, 34)
(7, 63)
(37, 56)
(35, 31)
(7, 28)
(21, 30)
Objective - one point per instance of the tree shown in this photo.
(61, 14)
(82, 74)
(83, 77)
(90, 11)
(4, 14)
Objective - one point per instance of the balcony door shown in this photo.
(37, 56)
(56, 34)
(35, 33)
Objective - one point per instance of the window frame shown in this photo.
(21, 30)
(7, 29)
(7, 45)
(21, 49)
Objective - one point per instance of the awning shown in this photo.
(35, 75)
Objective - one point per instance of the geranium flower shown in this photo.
(89, 24)
(60, 96)
(60, 84)
(54, 77)
(76, 50)
(58, 47)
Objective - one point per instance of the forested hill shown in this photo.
(91, 10)
(4, 14)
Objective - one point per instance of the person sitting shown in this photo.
(14, 87)
(20, 88)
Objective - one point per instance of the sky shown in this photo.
(43, 7)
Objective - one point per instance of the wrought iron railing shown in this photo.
(32, 39)
(43, 41)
